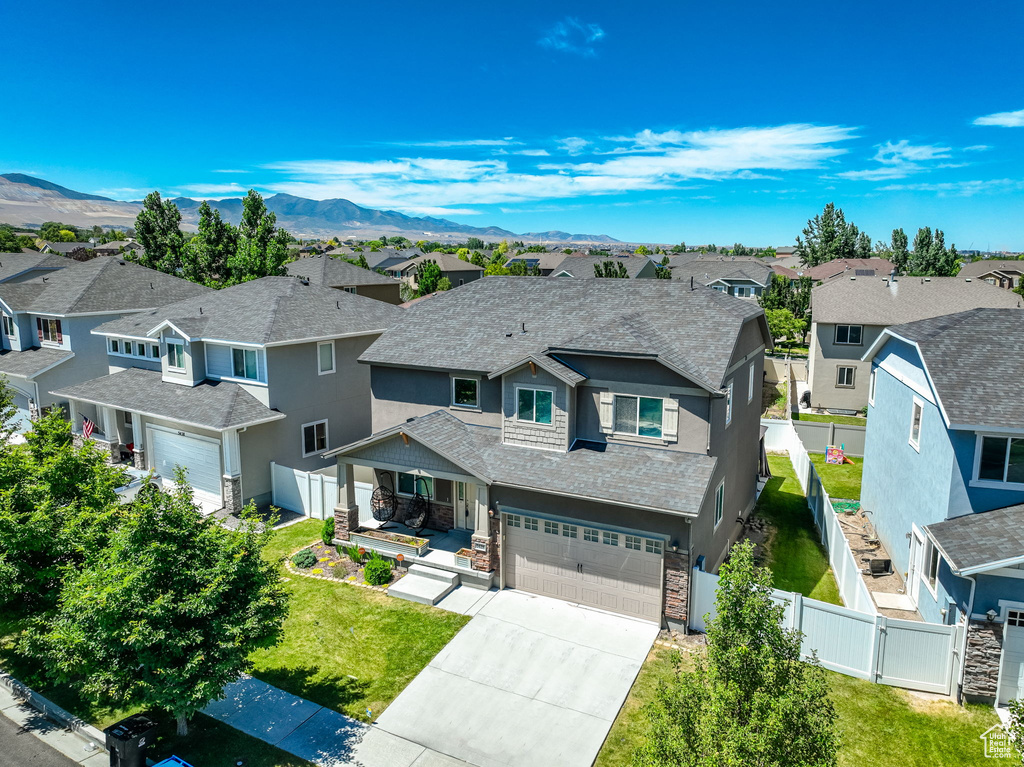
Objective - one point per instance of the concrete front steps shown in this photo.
(426, 585)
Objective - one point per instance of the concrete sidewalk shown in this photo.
(314, 733)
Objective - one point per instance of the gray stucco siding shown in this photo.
(826, 356)
(389, 294)
(399, 394)
(551, 437)
(692, 435)
(90, 360)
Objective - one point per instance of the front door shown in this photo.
(463, 517)
(913, 584)
(1011, 676)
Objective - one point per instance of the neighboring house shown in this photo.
(76, 250)
(849, 314)
(117, 247)
(637, 267)
(739, 276)
(341, 275)
(1003, 274)
(848, 267)
(454, 268)
(944, 481)
(546, 262)
(49, 306)
(593, 439)
(227, 382)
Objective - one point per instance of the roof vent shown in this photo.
(967, 279)
(522, 328)
(200, 310)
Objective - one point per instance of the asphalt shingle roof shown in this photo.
(31, 362)
(874, 301)
(104, 284)
(13, 264)
(976, 362)
(478, 326)
(986, 265)
(840, 266)
(665, 480)
(723, 268)
(976, 540)
(270, 310)
(213, 405)
(446, 261)
(583, 266)
(336, 273)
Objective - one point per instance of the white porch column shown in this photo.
(73, 415)
(480, 519)
(109, 424)
(231, 480)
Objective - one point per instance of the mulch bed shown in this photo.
(333, 565)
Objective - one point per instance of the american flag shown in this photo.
(87, 427)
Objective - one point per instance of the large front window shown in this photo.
(410, 484)
(244, 363)
(465, 392)
(534, 406)
(1001, 459)
(639, 416)
(849, 334)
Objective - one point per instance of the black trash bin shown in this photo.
(128, 740)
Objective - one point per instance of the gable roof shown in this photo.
(879, 267)
(105, 284)
(583, 266)
(32, 361)
(478, 326)
(67, 247)
(984, 541)
(707, 271)
(13, 264)
(667, 481)
(877, 301)
(446, 261)
(336, 273)
(984, 266)
(271, 310)
(975, 360)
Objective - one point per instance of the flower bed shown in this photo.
(333, 565)
(391, 543)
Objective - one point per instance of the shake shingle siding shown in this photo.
(549, 437)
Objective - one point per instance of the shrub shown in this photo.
(327, 531)
(352, 552)
(377, 571)
(304, 559)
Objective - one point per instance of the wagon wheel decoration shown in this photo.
(383, 503)
(418, 512)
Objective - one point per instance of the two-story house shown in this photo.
(342, 275)
(227, 382)
(849, 314)
(49, 305)
(459, 272)
(944, 480)
(739, 276)
(592, 438)
(1001, 273)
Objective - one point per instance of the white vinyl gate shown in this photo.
(313, 494)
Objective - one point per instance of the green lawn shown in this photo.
(881, 726)
(348, 648)
(796, 558)
(846, 420)
(840, 481)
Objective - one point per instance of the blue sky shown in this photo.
(709, 122)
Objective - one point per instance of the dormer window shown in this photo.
(127, 348)
(176, 355)
(245, 364)
(534, 405)
(49, 331)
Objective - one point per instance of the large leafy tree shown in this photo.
(931, 257)
(262, 248)
(611, 269)
(783, 324)
(58, 506)
(428, 275)
(829, 236)
(205, 258)
(169, 612)
(157, 228)
(899, 255)
(751, 700)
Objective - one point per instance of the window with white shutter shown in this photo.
(670, 419)
(606, 409)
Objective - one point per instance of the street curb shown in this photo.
(52, 711)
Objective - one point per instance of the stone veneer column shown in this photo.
(232, 494)
(33, 410)
(486, 557)
(111, 451)
(139, 458)
(981, 661)
(346, 512)
(677, 585)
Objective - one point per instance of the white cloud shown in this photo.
(439, 183)
(977, 148)
(225, 189)
(572, 36)
(533, 152)
(960, 188)
(1003, 119)
(229, 170)
(900, 159)
(444, 144)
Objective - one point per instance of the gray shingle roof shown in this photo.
(477, 326)
(104, 284)
(13, 264)
(707, 271)
(446, 261)
(214, 405)
(664, 480)
(31, 362)
(831, 269)
(976, 362)
(583, 266)
(986, 265)
(68, 247)
(874, 301)
(976, 542)
(271, 310)
(336, 273)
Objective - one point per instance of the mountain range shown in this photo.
(26, 200)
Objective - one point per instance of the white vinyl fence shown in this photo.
(852, 639)
(916, 656)
(313, 494)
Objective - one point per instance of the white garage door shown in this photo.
(601, 568)
(1012, 675)
(198, 455)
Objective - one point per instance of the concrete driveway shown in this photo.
(529, 681)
